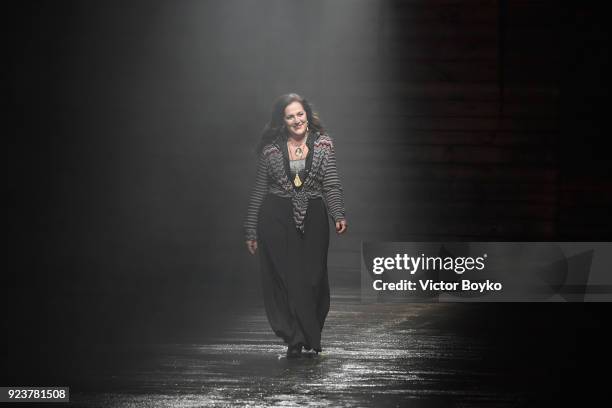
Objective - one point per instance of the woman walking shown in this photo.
(297, 189)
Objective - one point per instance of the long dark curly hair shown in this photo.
(276, 128)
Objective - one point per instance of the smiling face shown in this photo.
(296, 120)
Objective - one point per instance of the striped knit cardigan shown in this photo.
(322, 180)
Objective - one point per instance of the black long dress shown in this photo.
(293, 270)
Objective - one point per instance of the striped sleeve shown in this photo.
(258, 193)
(332, 187)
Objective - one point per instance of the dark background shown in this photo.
(131, 129)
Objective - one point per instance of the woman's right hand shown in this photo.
(251, 246)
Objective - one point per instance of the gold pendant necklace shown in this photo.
(298, 152)
(297, 180)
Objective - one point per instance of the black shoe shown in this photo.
(310, 352)
(294, 351)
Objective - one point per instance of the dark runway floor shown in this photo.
(383, 355)
(373, 355)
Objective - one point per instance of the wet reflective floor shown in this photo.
(373, 355)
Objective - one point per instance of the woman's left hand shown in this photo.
(341, 226)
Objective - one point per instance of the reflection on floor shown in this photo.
(373, 355)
